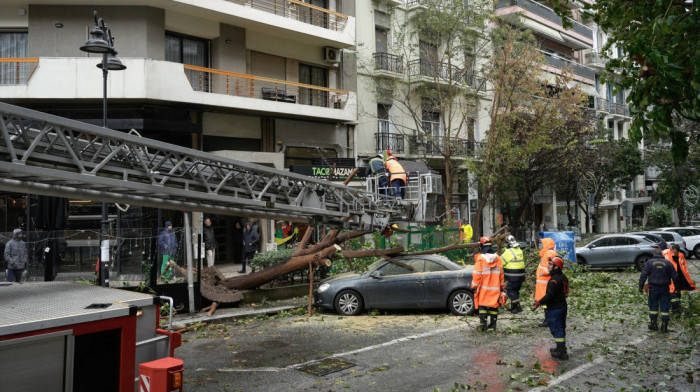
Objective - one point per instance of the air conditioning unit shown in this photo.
(332, 55)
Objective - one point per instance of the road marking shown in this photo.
(376, 346)
(576, 371)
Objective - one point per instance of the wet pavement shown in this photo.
(609, 347)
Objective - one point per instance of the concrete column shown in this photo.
(604, 224)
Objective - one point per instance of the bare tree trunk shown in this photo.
(448, 189)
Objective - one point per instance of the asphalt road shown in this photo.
(414, 351)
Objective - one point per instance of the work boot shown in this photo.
(482, 320)
(515, 308)
(492, 324)
(653, 326)
(664, 326)
(560, 352)
(544, 323)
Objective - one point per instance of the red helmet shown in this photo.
(558, 261)
(484, 240)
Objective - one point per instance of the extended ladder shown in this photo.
(54, 156)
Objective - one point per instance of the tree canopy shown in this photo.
(659, 42)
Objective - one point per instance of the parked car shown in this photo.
(653, 238)
(671, 237)
(616, 250)
(434, 282)
(690, 235)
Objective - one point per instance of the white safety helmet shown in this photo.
(512, 242)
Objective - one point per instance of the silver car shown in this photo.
(616, 250)
(671, 237)
(690, 235)
(430, 282)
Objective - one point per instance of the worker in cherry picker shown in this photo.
(376, 168)
(397, 175)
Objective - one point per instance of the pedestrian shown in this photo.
(250, 239)
(555, 299)
(547, 252)
(16, 256)
(167, 240)
(237, 243)
(660, 273)
(209, 242)
(376, 167)
(256, 228)
(514, 272)
(397, 178)
(487, 284)
(683, 282)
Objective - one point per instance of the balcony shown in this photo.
(388, 141)
(602, 105)
(164, 81)
(241, 85)
(619, 109)
(585, 74)
(388, 62)
(17, 71)
(299, 11)
(423, 145)
(595, 60)
(544, 21)
(435, 71)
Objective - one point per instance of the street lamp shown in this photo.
(102, 42)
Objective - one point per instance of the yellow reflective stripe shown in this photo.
(664, 313)
(491, 288)
(483, 311)
(676, 300)
(559, 340)
(515, 301)
(495, 312)
(653, 312)
(514, 265)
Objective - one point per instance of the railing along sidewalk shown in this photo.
(300, 11)
(242, 85)
(17, 71)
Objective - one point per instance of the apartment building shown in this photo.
(263, 81)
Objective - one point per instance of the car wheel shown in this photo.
(641, 260)
(696, 251)
(461, 303)
(348, 303)
(580, 261)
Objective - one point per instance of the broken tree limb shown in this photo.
(213, 308)
(351, 175)
(443, 249)
(304, 241)
(350, 235)
(353, 254)
(311, 286)
(389, 259)
(325, 242)
(291, 264)
(191, 327)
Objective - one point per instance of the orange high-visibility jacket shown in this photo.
(487, 279)
(542, 273)
(396, 170)
(684, 269)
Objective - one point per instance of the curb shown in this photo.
(188, 320)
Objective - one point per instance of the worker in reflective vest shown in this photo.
(377, 168)
(397, 176)
(547, 252)
(487, 283)
(514, 272)
(683, 282)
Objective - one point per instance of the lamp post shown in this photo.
(102, 42)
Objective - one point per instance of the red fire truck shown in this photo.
(61, 336)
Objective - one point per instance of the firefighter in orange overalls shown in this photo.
(542, 274)
(683, 282)
(487, 284)
(397, 175)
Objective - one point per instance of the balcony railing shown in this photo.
(619, 108)
(423, 145)
(241, 85)
(602, 104)
(435, 69)
(547, 13)
(299, 11)
(578, 69)
(389, 141)
(17, 71)
(595, 59)
(388, 62)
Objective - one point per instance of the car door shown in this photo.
(439, 281)
(600, 252)
(397, 287)
(626, 249)
(690, 236)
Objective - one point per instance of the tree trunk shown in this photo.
(448, 189)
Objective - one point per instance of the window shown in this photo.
(395, 269)
(431, 266)
(306, 155)
(383, 118)
(381, 40)
(191, 51)
(13, 44)
(603, 242)
(315, 76)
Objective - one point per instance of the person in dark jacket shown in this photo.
(376, 168)
(16, 256)
(660, 273)
(555, 299)
(250, 242)
(167, 241)
(209, 242)
(237, 242)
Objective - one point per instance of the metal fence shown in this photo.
(299, 11)
(388, 62)
(17, 71)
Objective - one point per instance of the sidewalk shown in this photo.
(226, 314)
